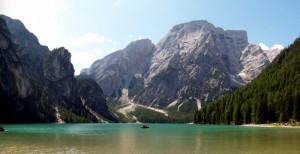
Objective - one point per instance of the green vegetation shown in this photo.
(149, 116)
(145, 115)
(188, 106)
(44, 109)
(69, 116)
(114, 105)
(274, 96)
(136, 84)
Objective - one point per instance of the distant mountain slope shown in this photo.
(274, 96)
(37, 85)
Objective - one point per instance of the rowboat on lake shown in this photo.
(1, 128)
(145, 126)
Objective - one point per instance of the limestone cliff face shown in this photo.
(15, 85)
(13, 76)
(35, 81)
(115, 71)
(28, 48)
(59, 73)
(253, 60)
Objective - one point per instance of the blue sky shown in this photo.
(91, 29)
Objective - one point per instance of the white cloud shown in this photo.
(82, 60)
(263, 46)
(110, 40)
(131, 37)
(88, 48)
(112, 50)
(85, 58)
(140, 37)
(275, 46)
(116, 4)
(43, 18)
(87, 39)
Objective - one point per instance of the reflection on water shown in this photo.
(159, 138)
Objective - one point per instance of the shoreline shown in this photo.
(270, 125)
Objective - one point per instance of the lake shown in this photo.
(159, 138)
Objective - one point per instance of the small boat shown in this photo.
(1, 128)
(145, 126)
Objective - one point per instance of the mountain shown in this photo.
(194, 63)
(203, 61)
(274, 96)
(115, 71)
(254, 60)
(38, 85)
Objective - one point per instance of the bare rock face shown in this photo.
(11, 68)
(272, 53)
(115, 71)
(15, 86)
(254, 60)
(28, 48)
(59, 72)
(13, 76)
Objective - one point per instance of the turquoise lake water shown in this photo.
(159, 138)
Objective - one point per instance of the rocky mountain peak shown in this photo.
(190, 26)
(57, 64)
(138, 49)
(253, 60)
(28, 48)
(139, 44)
(19, 32)
(59, 72)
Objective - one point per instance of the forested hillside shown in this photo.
(274, 96)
